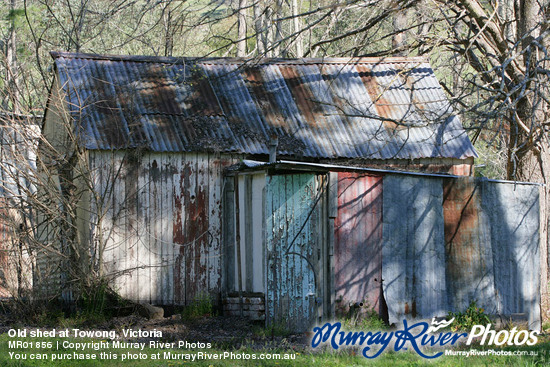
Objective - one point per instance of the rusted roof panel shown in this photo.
(334, 108)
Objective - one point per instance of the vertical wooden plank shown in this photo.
(214, 224)
(229, 263)
(191, 228)
(248, 240)
(288, 199)
(163, 215)
(177, 232)
(155, 208)
(333, 195)
(145, 243)
(238, 240)
(188, 244)
(204, 236)
(241, 250)
(111, 222)
(291, 202)
(257, 217)
(322, 240)
(133, 223)
(122, 232)
(168, 219)
(95, 231)
(101, 207)
(332, 203)
(139, 232)
(271, 260)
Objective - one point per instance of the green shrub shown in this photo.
(364, 318)
(201, 307)
(472, 316)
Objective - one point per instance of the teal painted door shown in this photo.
(293, 227)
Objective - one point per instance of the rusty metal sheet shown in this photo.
(469, 257)
(291, 227)
(338, 108)
(358, 242)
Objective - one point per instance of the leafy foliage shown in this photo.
(201, 307)
(473, 315)
(365, 318)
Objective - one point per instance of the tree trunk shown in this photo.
(11, 65)
(297, 30)
(399, 39)
(259, 27)
(168, 31)
(528, 161)
(278, 48)
(241, 37)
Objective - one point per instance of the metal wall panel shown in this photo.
(358, 241)
(513, 215)
(468, 243)
(292, 249)
(451, 241)
(413, 253)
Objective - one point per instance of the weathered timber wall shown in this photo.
(156, 223)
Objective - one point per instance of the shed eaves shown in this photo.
(319, 108)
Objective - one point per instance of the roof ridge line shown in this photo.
(238, 60)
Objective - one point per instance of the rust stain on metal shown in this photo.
(265, 102)
(203, 100)
(461, 225)
(190, 232)
(411, 310)
(304, 98)
(358, 240)
(110, 126)
(382, 105)
(161, 94)
(193, 105)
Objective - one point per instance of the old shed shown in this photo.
(145, 143)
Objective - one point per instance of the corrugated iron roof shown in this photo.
(320, 108)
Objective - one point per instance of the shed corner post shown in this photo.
(332, 209)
